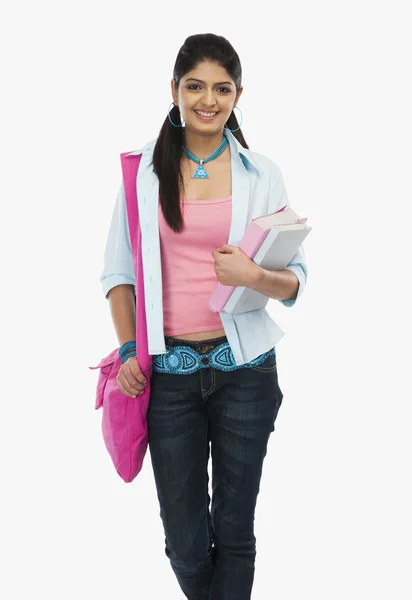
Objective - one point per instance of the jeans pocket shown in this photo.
(267, 366)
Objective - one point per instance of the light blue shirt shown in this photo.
(257, 189)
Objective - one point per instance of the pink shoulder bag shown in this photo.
(124, 420)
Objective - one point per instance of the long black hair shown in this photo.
(168, 150)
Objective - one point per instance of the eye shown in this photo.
(195, 85)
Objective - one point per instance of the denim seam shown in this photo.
(212, 384)
(206, 484)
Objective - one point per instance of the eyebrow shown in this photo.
(200, 81)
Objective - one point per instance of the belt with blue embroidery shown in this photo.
(184, 360)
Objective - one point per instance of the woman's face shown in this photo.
(208, 89)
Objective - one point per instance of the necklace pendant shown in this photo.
(200, 172)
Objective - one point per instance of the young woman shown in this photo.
(215, 384)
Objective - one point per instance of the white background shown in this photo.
(327, 97)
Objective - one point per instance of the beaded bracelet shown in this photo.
(127, 346)
(126, 356)
(127, 350)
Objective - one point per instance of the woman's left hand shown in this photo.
(234, 267)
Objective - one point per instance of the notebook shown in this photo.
(270, 241)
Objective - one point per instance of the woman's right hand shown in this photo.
(130, 379)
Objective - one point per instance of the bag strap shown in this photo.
(130, 166)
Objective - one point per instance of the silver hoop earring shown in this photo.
(241, 120)
(168, 114)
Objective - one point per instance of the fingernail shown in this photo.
(144, 381)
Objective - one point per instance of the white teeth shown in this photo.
(205, 114)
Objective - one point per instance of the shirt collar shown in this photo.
(239, 151)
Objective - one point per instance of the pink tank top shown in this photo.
(188, 274)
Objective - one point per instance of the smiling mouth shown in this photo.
(206, 115)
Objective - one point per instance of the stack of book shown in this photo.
(270, 241)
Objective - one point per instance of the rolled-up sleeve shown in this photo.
(297, 264)
(118, 259)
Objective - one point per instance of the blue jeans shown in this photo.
(212, 553)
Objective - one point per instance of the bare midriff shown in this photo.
(201, 335)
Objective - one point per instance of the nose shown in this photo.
(210, 99)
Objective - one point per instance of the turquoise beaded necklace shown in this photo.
(200, 172)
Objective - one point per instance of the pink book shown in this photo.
(250, 243)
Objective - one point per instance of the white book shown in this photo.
(285, 233)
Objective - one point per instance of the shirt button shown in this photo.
(205, 361)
